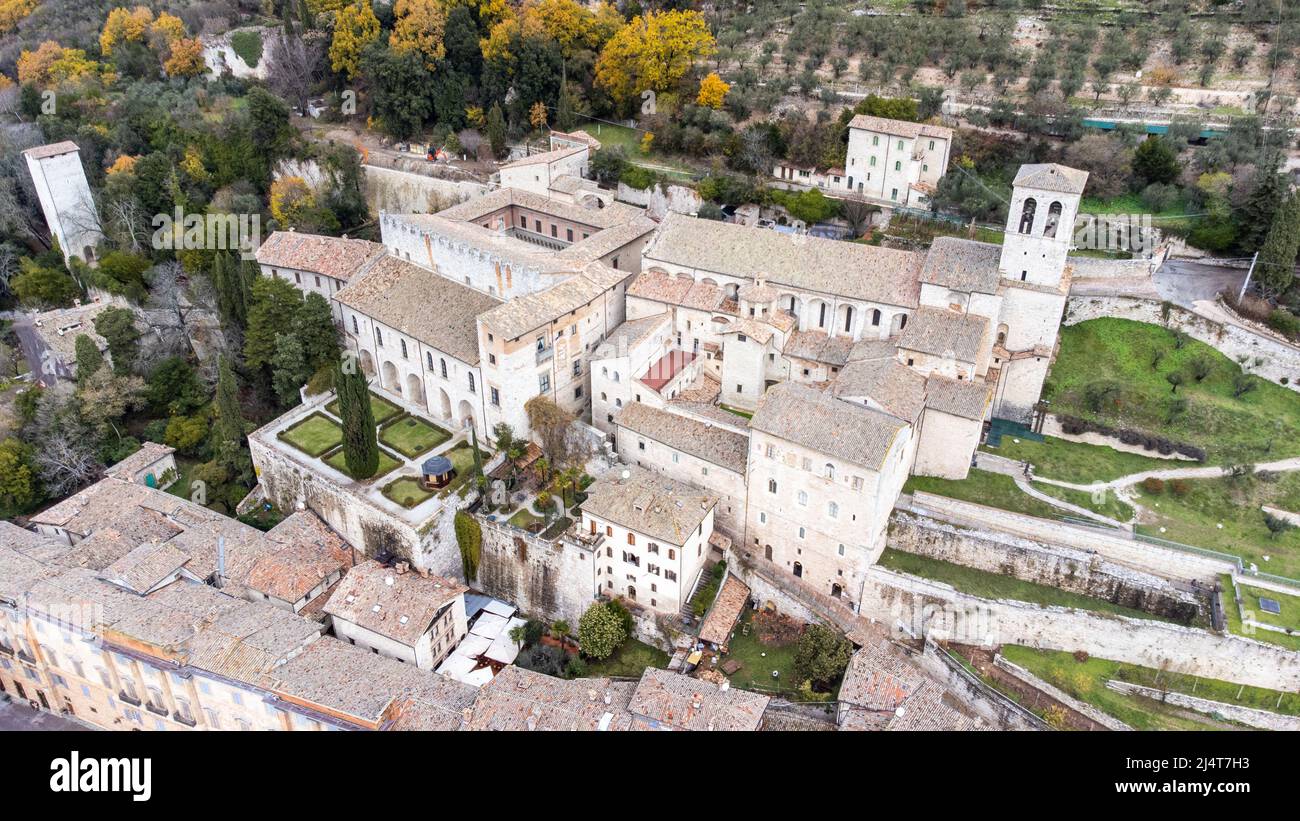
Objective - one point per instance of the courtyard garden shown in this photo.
(315, 436)
(381, 407)
(1085, 678)
(988, 585)
(412, 436)
(338, 461)
(764, 644)
(462, 462)
(1290, 606)
(407, 491)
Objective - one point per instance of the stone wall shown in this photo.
(1149, 558)
(991, 705)
(1262, 719)
(1063, 568)
(1279, 359)
(396, 191)
(1016, 671)
(1102, 268)
(937, 610)
(546, 580)
(659, 199)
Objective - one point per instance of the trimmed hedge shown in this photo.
(1074, 426)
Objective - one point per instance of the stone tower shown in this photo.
(65, 197)
(1034, 282)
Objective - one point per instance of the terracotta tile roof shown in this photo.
(526, 313)
(330, 256)
(818, 421)
(400, 606)
(880, 676)
(546, 157)
(669, 701)
(892, 385)
(304, 553)
(944, 333)
(518, 700)
(727, 607)
(662, 370)
(41, 152)
(649, 503)
(714, 444)
(145, 567)
(899, 128)
(963, 265)
(816, 346)
(827, 266)
(968, 399)
(416, 301)
(1052, 177)
(148, 453)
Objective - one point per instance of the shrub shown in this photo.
(1179, 487)
(1284, 322)
(822, 655)
(1153, 485)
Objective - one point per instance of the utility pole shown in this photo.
(1249, 273)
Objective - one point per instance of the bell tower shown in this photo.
(1040, 223)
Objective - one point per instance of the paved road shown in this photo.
(15, 716)
(34, 350)
(1183, 282)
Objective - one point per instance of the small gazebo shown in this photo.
(436, 472)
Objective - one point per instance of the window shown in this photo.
(555, 229)
(492, 359)
(898, 165)
(675, 455)
(640, 445)
(428, 360)
(442, 366)
(355, 329)
(379, 336)
(577, 367)
(496, 397)
(740, 388)
(803, 533)
(631, 538)
(841, 550)
(803, 497)
(568, 233)
(577, 392)
(833, 510)
(762, 518)
(931, 148)
(857, 483)
(404, 356)
(829, 471)
(873, 162)
(875, 316)
(771, 486)
(471, 383)
(875, 139)
(544, 382)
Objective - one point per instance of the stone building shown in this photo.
(65, 199)
(410, 616)
(315, 263)
(656, 534)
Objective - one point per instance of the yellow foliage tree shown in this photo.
(653, 52)
(419, 27)
(355, 27)
(185, 59)
(564, 21)
(52, 64)
(713, 91)
(167, 29)
(192, 164)
(290, 197)
(13, 12)
(124, 164)
(5, 82)
(537, 115)
(123, 26)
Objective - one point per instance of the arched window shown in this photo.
(848, 319)
(829, 471)
(404, 356)
(767, 552)
(604, 371)
(615, 376)
(428, 360)
(355, 329)
(771, 486)
(821, 317)
(603, 398)
(618, 403)
(1053, 219)
(471, 382)
(875, 316)
(1027, 215)
(444, 368)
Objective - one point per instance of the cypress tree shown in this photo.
(229, 426)
(360, 445)
(1275, 268)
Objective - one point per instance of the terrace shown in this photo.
(311, 435)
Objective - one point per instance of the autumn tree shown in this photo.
(185, 58)
(419, 27)
(653, 52)
(713, 91)
(551, 424)
(123, 26)
(355, 27)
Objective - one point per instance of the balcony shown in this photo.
(129, 699)
(156, 709)
(545, 354)
(181, 718)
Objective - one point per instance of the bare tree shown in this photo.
(65, 463)
(295, 66)
(127, 223)
(178, 310)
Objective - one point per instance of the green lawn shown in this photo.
(629, 139)
(407, 492)
(628, 661)
(1261, 425)
(462, 460)
(1079, 462)
(524, 517)
(996, 586)
(984, 488)
(337, 461)
(1195, 518)
(1109, 505)
(1086, 681)
(315, 435)
(758, 660)
(381, 407)
(737, 411)
(412, 436)
(1235, 624)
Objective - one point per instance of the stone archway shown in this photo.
(390, 380)
(465, 414)
(415, 389)
(897, 324)
(444, 404)
(798, 570)
(367, 363)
